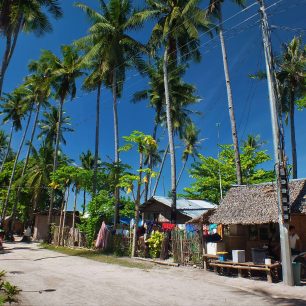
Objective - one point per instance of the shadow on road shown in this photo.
(49, 257)
(284, 301)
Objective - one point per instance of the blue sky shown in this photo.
(245, 55)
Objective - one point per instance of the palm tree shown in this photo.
(182, 95)
(253, 141)
(39, 170)
(191, 141)
(38, 85)
(291, 79)
(30, 16)
(3, 144)
(13, 112)
(177, 29)
(215, 10)
(88, 163)
(48, 126)
(113, 50)
(64, 73)
(21, 95)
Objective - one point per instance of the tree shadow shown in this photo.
(49, 257)
(285, 301)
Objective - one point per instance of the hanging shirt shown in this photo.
(292, 240)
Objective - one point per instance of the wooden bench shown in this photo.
(271, 270)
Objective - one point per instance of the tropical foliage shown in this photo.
(157, 41)
(205, 172)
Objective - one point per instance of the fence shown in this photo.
(187, 248)
(68, 237)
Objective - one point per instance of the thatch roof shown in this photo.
(257, 204)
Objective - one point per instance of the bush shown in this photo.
(155, 243)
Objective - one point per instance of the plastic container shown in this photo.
(259, 256)
(238, 255)
(268, 261)
(296, 269)
(222, 256)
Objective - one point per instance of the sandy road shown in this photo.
(79, 281)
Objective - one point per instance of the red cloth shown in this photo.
(168, 226)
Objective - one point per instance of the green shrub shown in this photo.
(155, 243)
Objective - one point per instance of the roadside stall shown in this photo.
(249, 216)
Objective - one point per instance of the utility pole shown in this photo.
(219, 170)
(283, 200)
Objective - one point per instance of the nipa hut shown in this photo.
(250, 214)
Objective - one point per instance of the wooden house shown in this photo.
(159, 209)
(249, 215)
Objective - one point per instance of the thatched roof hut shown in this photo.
(257, 204)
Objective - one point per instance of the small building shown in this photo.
(159, 209)
(41, 228)
(250, 215)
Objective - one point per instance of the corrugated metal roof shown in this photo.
(184, 204)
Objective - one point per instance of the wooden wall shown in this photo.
(299, 221)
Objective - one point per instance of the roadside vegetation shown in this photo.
(98, 256)
(8, 292)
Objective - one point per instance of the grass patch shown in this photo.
(98, 256)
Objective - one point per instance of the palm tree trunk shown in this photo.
(293, 140)
(230, 106)
(182, 170)
(94, 186)
(15, 165)
(9, 50)
(55, 158)
(171, 138)
(73, 217)
(64, 217)
(137, 203)
(61, 219)
(8, 148)
(5, 60)
(116, 135)
(160, 170)
(84, 201)
(26, 161)
(149, 177)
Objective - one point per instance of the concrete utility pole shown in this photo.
(278, 151)
(218, 125)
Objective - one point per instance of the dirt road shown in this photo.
(79, 281)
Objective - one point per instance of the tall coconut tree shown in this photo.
(38, 173)
(290, 74)
(24, 99)
(13, 112)
(29, 16)
(215, 11)
(64, 71)
(112, 46)
(177, 28)
(48, 126)
(191, 144)
(97, 63)
(38, 85)
(88, 163)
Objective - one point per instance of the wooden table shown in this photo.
(212, 261)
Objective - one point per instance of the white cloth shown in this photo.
(292, 240)
(27, 232)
